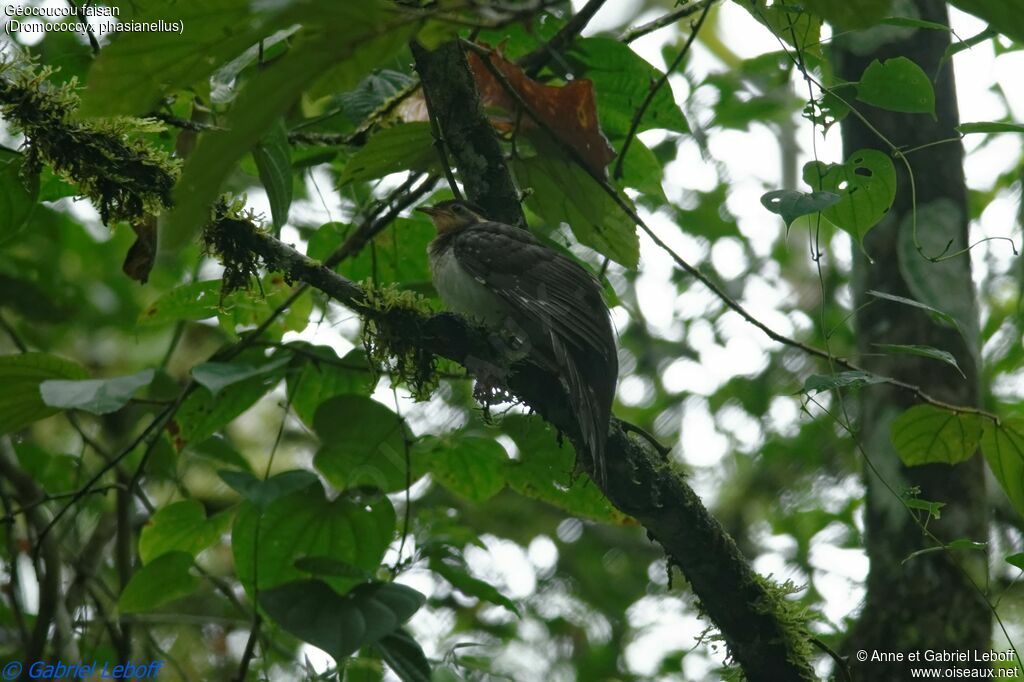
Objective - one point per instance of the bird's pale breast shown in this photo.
(462, 293)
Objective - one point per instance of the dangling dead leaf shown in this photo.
(142, 254)
(569, 111)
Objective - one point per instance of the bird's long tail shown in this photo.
(590, 399)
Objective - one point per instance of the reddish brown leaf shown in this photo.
(569, 111)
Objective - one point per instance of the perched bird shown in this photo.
(549, 304)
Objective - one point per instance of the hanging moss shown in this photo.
(241, 264)
(124, 177)
(388, 342)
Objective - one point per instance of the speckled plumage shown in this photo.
(505, 278)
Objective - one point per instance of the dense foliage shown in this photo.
(214, 456)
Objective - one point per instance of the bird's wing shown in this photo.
(542, 285)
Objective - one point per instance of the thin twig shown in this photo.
(441, 146)
(13, 334)
(534, 61)
(653, 90)
(93, 43)
(665, 20)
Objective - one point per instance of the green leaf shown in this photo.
(324, 375)
(897, 84)
(193, 301)
(959, 46)
(203, 414)
(937, 314)
(622, 80)
(326, 566)
(21, 375)
(990, 127)
(216, 376)
(963, 544)
(218, 450)
(404, 656)
(17, 198)
(832, 107)
(1005, 17)
(934, 509)
(180, 527)
(641, 170)
(854, 379)
(363, 444)
(97, 396)
(924, 352)
(800, 29)
(397, 254)
(406, 146)
(163, 580)
(1003, 447)
(261, 493)
(791, 204)
(313, 612)
(849, 14)
(925, 434)
(545, 471)
(305, 523)
(453, 569)
(866, 184)
(562, 192)
(910, 22)
(471, 467)
(1016, 560)
(360, 39)
(273, 161)
(130, 75)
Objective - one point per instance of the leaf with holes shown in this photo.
(866, 185)
(926, 434)
(791, 204)
(897, 84)
(1003, 447)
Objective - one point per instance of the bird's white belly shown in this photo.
(462, 293)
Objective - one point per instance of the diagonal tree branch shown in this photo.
(640, 482)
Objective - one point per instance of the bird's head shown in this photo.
(453, 215)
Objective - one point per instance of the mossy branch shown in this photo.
(123, 176)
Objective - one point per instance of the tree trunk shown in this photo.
(928, 601)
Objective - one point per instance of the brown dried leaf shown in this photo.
(142, 254)
(569, 111)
